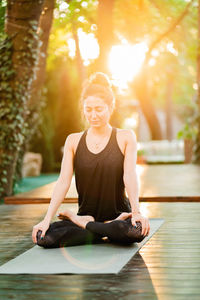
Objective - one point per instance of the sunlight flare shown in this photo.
(88, 44)
(125, 62)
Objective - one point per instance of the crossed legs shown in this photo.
(66, 233)
(77, 230)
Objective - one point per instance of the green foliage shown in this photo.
(10, 135)
(141, 152)
(187, 132)
(14, 95)
(197, 142)
(2, 14)
(42, 141)
(60, 116)
(190, 127)
(68, 17)
(75, 14)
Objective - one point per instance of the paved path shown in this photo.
(157, 183)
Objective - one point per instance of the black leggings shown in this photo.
(66, 233)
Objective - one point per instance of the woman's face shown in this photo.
(96, 111)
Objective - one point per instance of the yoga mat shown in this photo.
(105, 258)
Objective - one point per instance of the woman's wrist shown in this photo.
(47, 219)
(135, 212)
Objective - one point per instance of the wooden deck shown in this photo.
(158, 183)
(167, 267)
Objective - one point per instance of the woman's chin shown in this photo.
(95, 124)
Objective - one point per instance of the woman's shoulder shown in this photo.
(75, 135)
(126, 133)
(74, 139)
(126, 137)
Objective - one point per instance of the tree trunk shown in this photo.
(140, 88)
(105, 33)
(18, 17)
(21, 24)
(168, 108)
(45, 24)
(34, 102)
(79, 60)
(188, 150)
(197, 140)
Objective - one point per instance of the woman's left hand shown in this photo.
(144, 221)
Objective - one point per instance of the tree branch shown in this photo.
(152, 2)
(171, 28)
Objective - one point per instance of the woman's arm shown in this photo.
(130, 175)
(64, 179)
(60, 189)
(131, 182)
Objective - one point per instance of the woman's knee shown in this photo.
(52, 234)
(46, 242)
(135, 234)
(125, 232)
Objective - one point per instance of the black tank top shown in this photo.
(99, 180)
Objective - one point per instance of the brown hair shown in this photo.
(99, 85)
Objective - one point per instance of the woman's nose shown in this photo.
(94, 114)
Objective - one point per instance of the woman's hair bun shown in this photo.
(99, 85)
(100, 79)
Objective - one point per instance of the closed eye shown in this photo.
(98, 109)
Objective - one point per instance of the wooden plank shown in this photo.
(13, 200)
(32, 200)
(167, 267)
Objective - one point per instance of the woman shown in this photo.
(104, 161)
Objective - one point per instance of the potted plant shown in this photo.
(188, 134)
(141, 156)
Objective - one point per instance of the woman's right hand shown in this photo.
(43, 226)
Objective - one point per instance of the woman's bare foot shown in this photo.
(63, 216)
(78, 220)
(122, 216)
(82, 220)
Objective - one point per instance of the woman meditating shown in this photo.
(104, 161)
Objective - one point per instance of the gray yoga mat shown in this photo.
(106, 258)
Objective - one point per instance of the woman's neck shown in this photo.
(103, 130)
